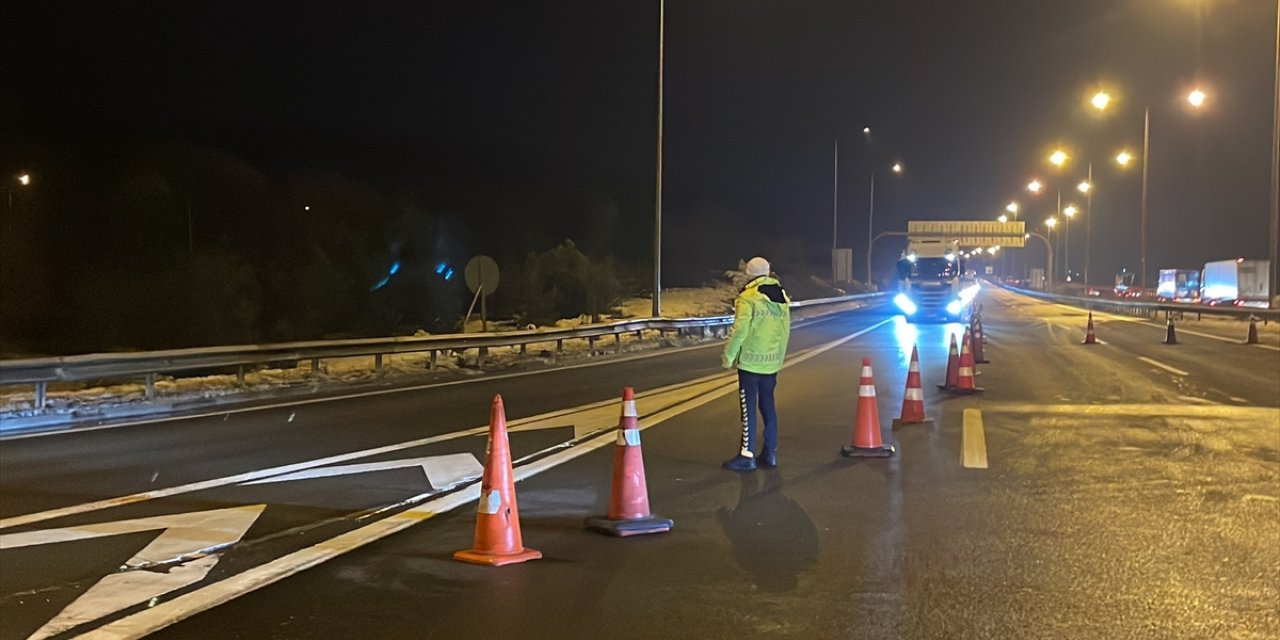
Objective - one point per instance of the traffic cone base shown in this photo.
(899, 422)
(628, 513)
(632, 527)
(497, 560)
(851, 451)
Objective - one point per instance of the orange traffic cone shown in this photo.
(629, 500)
(1089, 338)
(498, 539)
(953, 366)
(1253, 331)
(913, 397)
(964, 384)
(1170, 336)
(866, 428)
(978, 341)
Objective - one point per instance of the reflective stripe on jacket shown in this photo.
(761, 327)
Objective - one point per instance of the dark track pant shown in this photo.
(755, 390)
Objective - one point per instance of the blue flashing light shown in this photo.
(448, 274)
(441, 267)
(395, 267)
(381, 283)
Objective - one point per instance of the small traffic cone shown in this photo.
(1089, 338)
(1170, 336)
(953, 366)
(498, 540)
(964, 385)
(629, 499)
(978, 341)
(1253, 331)
(913, 397)
(866, 427)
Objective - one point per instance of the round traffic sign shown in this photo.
(481, 274)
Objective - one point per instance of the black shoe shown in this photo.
(767, 459)
(740, 463)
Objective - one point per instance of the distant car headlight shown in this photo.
(954, 307)
(908, 307)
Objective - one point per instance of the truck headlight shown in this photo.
(908, 307)
(954, 307)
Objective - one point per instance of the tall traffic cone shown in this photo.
(1089, 338)
(629, 499)
(866, 427)
(953, 366)
(1170, 336)
(1253, 331)
(498, 540)
(978, 341)
(913, 397)
(964, 384)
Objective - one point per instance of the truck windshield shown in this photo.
(934, 268)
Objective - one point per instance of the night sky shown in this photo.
(555, 101)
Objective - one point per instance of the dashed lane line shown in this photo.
(973, 440)
(1156, 363)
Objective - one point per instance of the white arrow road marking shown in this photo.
(441, 471)
(185, 534)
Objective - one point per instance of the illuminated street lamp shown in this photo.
(1058, 158)
(1100, 100)
(1034, 186)
(1003, 218)
(23, 179)
(1012, 207)
(1196, 98)
(1084, 186)
(1051, 222)
(1124, 158)
(897, 167)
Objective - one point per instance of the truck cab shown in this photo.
(931, 284)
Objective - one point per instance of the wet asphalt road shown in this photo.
(1132, 490)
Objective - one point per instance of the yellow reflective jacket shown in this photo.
(761, 327)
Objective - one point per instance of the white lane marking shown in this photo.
(973, 440)
(193, 536)
(1156, 363)
(441, 471)
(167, 613)
(585, 419)
(433, 385)
(1268, 415)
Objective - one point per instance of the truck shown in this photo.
(931, 284)
(1178, 285)
(1239, 282)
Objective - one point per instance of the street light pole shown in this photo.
(1088, 225)
(1275, 168)
(835, 202)
(871, 216)
(1146, 160)
(657, 200)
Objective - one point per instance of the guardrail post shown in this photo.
(431, 364)
(42, 389)
(151, 386)
(240, 376)
(315, 366)
(704, 332)
(591, 346)
(617, 343)
(524, 348)
(377, 363)
(481, 354)
(560, 346)
(640, 334)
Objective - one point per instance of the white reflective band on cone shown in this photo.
(915, 394)
(966, 372)
(915, 367)
(866, 372)
(629, 408)
(628, 437)
(489, 503)
(867, 391)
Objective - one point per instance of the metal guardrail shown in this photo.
(40, 372)
(1152, 309)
